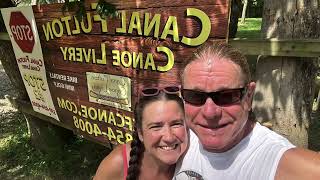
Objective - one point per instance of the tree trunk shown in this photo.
(244, 9)
(6, 3)
(234, 17)
(10, 66)
(316, 106)
(284, 84)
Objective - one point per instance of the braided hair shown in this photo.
(137, 147)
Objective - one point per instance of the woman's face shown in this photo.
(163, 131)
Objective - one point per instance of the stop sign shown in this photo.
(21, 31)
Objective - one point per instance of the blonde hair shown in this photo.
(222, 51)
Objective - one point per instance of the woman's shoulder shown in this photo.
(111, 166)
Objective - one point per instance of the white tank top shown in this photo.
(256, 157)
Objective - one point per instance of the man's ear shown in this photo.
(250, 93)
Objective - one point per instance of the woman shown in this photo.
(159, 139)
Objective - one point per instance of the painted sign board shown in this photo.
(96, 67)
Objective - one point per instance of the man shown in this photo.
(226, 143)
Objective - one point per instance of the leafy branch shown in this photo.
(104, 9)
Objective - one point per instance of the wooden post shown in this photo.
(10, 66)
(284, 84)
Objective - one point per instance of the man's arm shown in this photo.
(111, 167)
(299, 164)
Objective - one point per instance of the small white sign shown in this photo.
(22, 29)
(109, 90)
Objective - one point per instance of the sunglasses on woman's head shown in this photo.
(220, 98)
(154, 91)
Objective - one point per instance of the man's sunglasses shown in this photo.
(220, 98)
(154, 91)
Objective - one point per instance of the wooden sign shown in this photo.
(95, 67)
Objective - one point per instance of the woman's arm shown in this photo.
(111, 166)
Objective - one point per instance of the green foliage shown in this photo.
(104, 9)
(251, 28)
(77, 5)
(256, 3)
(20, 160)
(255, 8)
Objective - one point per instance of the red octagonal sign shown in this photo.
(21, 31)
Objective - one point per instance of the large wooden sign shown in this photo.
(95, 67)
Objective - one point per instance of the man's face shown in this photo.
(219, 128)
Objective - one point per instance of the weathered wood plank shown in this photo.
(81, 68)
(133, 4)
(186, 26)
(276, 47)
(267, 47)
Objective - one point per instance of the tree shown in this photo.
(244, 9)
(284, 84)
(235, 14)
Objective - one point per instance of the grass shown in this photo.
(19, 160)
(251, 28)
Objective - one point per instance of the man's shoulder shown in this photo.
(263, 133)
(308, 161)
